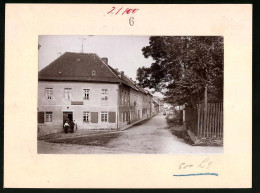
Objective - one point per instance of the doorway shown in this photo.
(68, 115)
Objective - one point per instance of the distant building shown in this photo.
(167, 106)
(158, 104)
(155, 106)
(84, 88)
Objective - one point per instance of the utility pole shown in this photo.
(82, 46)
(205, 109)
(206, 97)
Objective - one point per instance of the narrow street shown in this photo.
(148, 137)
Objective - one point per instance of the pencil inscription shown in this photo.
(205, 163)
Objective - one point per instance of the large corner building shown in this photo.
(84, 88)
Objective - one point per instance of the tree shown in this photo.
(183, 66)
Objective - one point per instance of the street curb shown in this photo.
(86, 135)
(133, 124)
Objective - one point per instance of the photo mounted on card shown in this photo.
(111, 94)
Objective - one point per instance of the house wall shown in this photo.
(155, 105)
(124, 106)
(147, 105)
(155, 108)
(161, 105)
(58, 104)
(135, 105)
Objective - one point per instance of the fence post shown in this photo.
(221, 122)
(215, 120)
(210, 122)
(205, 111)
(218, 119)
(198, 112)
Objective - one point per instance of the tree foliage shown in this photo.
(183, 66)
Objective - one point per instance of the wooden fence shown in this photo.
(204, 121)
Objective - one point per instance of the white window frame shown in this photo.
(49, 93)
(93, 72)
(48, 116)
(86, 94)
(86, 116)
(122, 99)
(104, 116)
(68, 93)
(104, 94)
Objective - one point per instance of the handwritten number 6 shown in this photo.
(131, 21)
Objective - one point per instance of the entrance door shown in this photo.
(68, 115)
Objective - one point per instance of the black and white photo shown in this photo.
(130, 94)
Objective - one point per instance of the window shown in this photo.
(122, 99)
(86, 116)
(104, 116)
(48, 116)
(104, 95)
(93, 72)
(125, 99)
(48, 93)
(86, 94)
(68, 93)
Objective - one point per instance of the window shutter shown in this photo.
(127, 116)
(40, 117)
(94, 117)
(112, 117)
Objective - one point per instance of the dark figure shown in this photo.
(72, 126)
(67, 119)
(66, 127)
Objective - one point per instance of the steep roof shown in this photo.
(126, 80)
(78, 67)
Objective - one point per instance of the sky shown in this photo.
(123, 52)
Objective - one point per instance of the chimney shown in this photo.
(122, 73)
(105, 60)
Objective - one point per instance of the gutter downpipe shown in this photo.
(118, 96)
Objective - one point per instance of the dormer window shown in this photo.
(93, 72)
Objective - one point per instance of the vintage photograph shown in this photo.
(130, 94)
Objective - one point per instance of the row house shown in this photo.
(85, 89)
(157, 105)
(139, 105)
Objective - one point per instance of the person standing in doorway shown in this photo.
(66, 127)
(72, 124)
